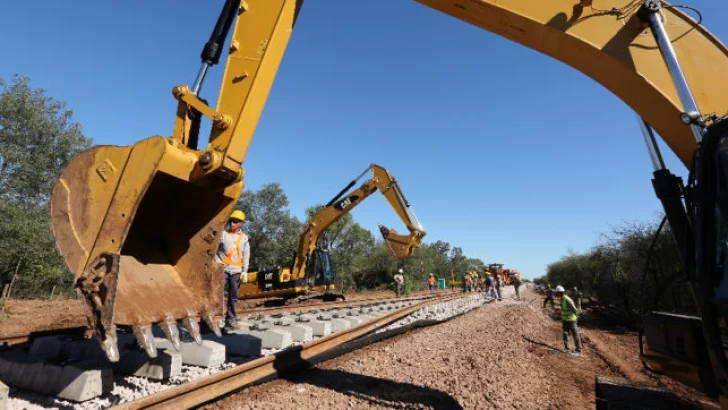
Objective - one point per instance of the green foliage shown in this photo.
(273, 232)
(611, 272)
(37, 140)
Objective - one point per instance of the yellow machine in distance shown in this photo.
(312, 272)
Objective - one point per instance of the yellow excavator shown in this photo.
(117, 211)
(311, 274)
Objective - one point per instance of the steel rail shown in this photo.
(86, 332)
(211, 387)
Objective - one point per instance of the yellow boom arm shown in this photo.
(401, 246)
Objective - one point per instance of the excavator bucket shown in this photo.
(400, 246)
(138, 226)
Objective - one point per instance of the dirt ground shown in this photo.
(503, 355)
(25, 316)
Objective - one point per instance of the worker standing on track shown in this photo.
(549, 296)
(399, 281)
(516, 285)
(431, 282)
(489, 287)
(577, 297)
(234, 252)
(569, 313)
(498, 284)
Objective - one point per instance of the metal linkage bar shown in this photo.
(650, 13)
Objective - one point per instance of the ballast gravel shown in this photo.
(129, 388)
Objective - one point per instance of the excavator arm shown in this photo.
(401, 246)
(138, 225)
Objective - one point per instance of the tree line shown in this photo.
(630, 270)
(38, 138)
(361, 260)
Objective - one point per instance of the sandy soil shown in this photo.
(37, 315)
(24, 316)
(504, 355)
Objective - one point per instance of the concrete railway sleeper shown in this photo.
(15, 339)
(58, 372)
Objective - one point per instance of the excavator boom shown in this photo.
(401, 246)
(139, 225)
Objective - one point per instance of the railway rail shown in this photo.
(190, 383)
(85, 332)
(209, 388)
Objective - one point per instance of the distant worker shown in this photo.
(474, 275)
(431, 282)
(576, 295)
(516, 281)
(569, 313)
(234, 252)
(467, 282)
(399, 281)
(489, 286)
(498, 285)
(549, 296)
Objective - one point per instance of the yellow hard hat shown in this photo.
(238, 214)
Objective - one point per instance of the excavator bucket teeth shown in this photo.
(139, 226)
(399, 246)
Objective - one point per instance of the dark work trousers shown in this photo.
(547, 300)
(569, 326)
(232, 281)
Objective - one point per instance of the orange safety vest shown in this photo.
(236, 246)
(431, 281)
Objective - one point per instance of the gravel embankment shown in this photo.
(131, 388)
(506, 354)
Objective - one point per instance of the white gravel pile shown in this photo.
(129, 388)
(439, 314)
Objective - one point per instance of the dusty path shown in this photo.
(504, 355)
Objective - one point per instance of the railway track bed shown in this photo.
(60, 372)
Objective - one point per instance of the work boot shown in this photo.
(232, 326)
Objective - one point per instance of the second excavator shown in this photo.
(311, 274)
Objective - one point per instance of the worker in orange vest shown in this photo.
(234, 253)
(431, 282)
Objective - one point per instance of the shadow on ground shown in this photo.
(541, 344)
(377, 391)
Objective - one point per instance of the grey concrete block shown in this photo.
(239, 344)
(168, 363)
(275, 339)
(78, 381)
(81, 381)
(354, 320)
(47, 347)
(209, 354)
(4, 390)
(366, 318)
(339, 324)
(300, 332)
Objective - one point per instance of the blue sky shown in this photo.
(507, 153)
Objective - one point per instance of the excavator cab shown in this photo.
(320, 271)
